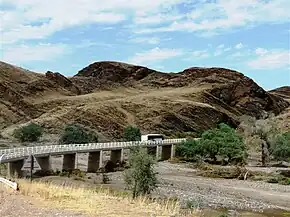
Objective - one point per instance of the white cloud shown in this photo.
(40, 52)
(212, 17)
(149, 40)
(198, 54)
(38, 19)
(156, 19)
(270, 59)
(155, 55)
(221, 46)
(261, 51)
(221, 49)
(239, 46)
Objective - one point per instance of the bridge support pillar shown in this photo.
(95, 161)
(165, 152)
(117, 155)
(154, 151)
(14, 168)
(173, 151)
(44, 163)
(69, 161)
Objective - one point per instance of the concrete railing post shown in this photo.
(14, 168)
(94, 161)
(69, 161)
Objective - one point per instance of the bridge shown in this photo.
(15, 156)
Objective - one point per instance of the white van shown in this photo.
(152, 137)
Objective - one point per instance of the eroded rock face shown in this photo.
(283, 92)
(249, 98)
(62, 81)
(114, 72)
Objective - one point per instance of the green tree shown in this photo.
(132, 133)
(76, 134)
(140, 178)
(29, 133)
(280, 147)
(222, 141)
(225, 142)
(189, 150)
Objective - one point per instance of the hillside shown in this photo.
(284, 117)
(283, 92)
(107, 96)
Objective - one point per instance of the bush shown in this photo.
(280, 148)
(29, 133)
(141, 177)
(222, 141)
(189, 150)
(132, 133)
(76, 134)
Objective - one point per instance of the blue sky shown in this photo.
(251, 36)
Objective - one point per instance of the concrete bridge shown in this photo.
(15, 157)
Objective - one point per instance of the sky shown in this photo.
(250, 36)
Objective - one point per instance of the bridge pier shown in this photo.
(173, 151)
(166, 152)
(95, 161)
(69, 161)
(154, 151)
(14, 168)
(117, 155)
(44, 163)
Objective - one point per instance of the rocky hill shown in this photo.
(107, 96)
(283, 92)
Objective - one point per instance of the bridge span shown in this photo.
(162, 150)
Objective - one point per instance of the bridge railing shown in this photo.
(51, 149)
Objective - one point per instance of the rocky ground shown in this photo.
(183, 183)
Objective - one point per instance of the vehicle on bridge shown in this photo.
(152, 137)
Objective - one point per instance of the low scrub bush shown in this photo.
(280, 148)
(29, 133)
(132, 133)
(76, 134)
(140, 178)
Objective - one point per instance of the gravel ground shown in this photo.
(178, 181)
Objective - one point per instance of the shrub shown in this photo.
(222, 141)
(132, 133)
(140, 178)
(29, 133)
(262, 132)
(280, 147)
(189, 150)
(76, 134)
